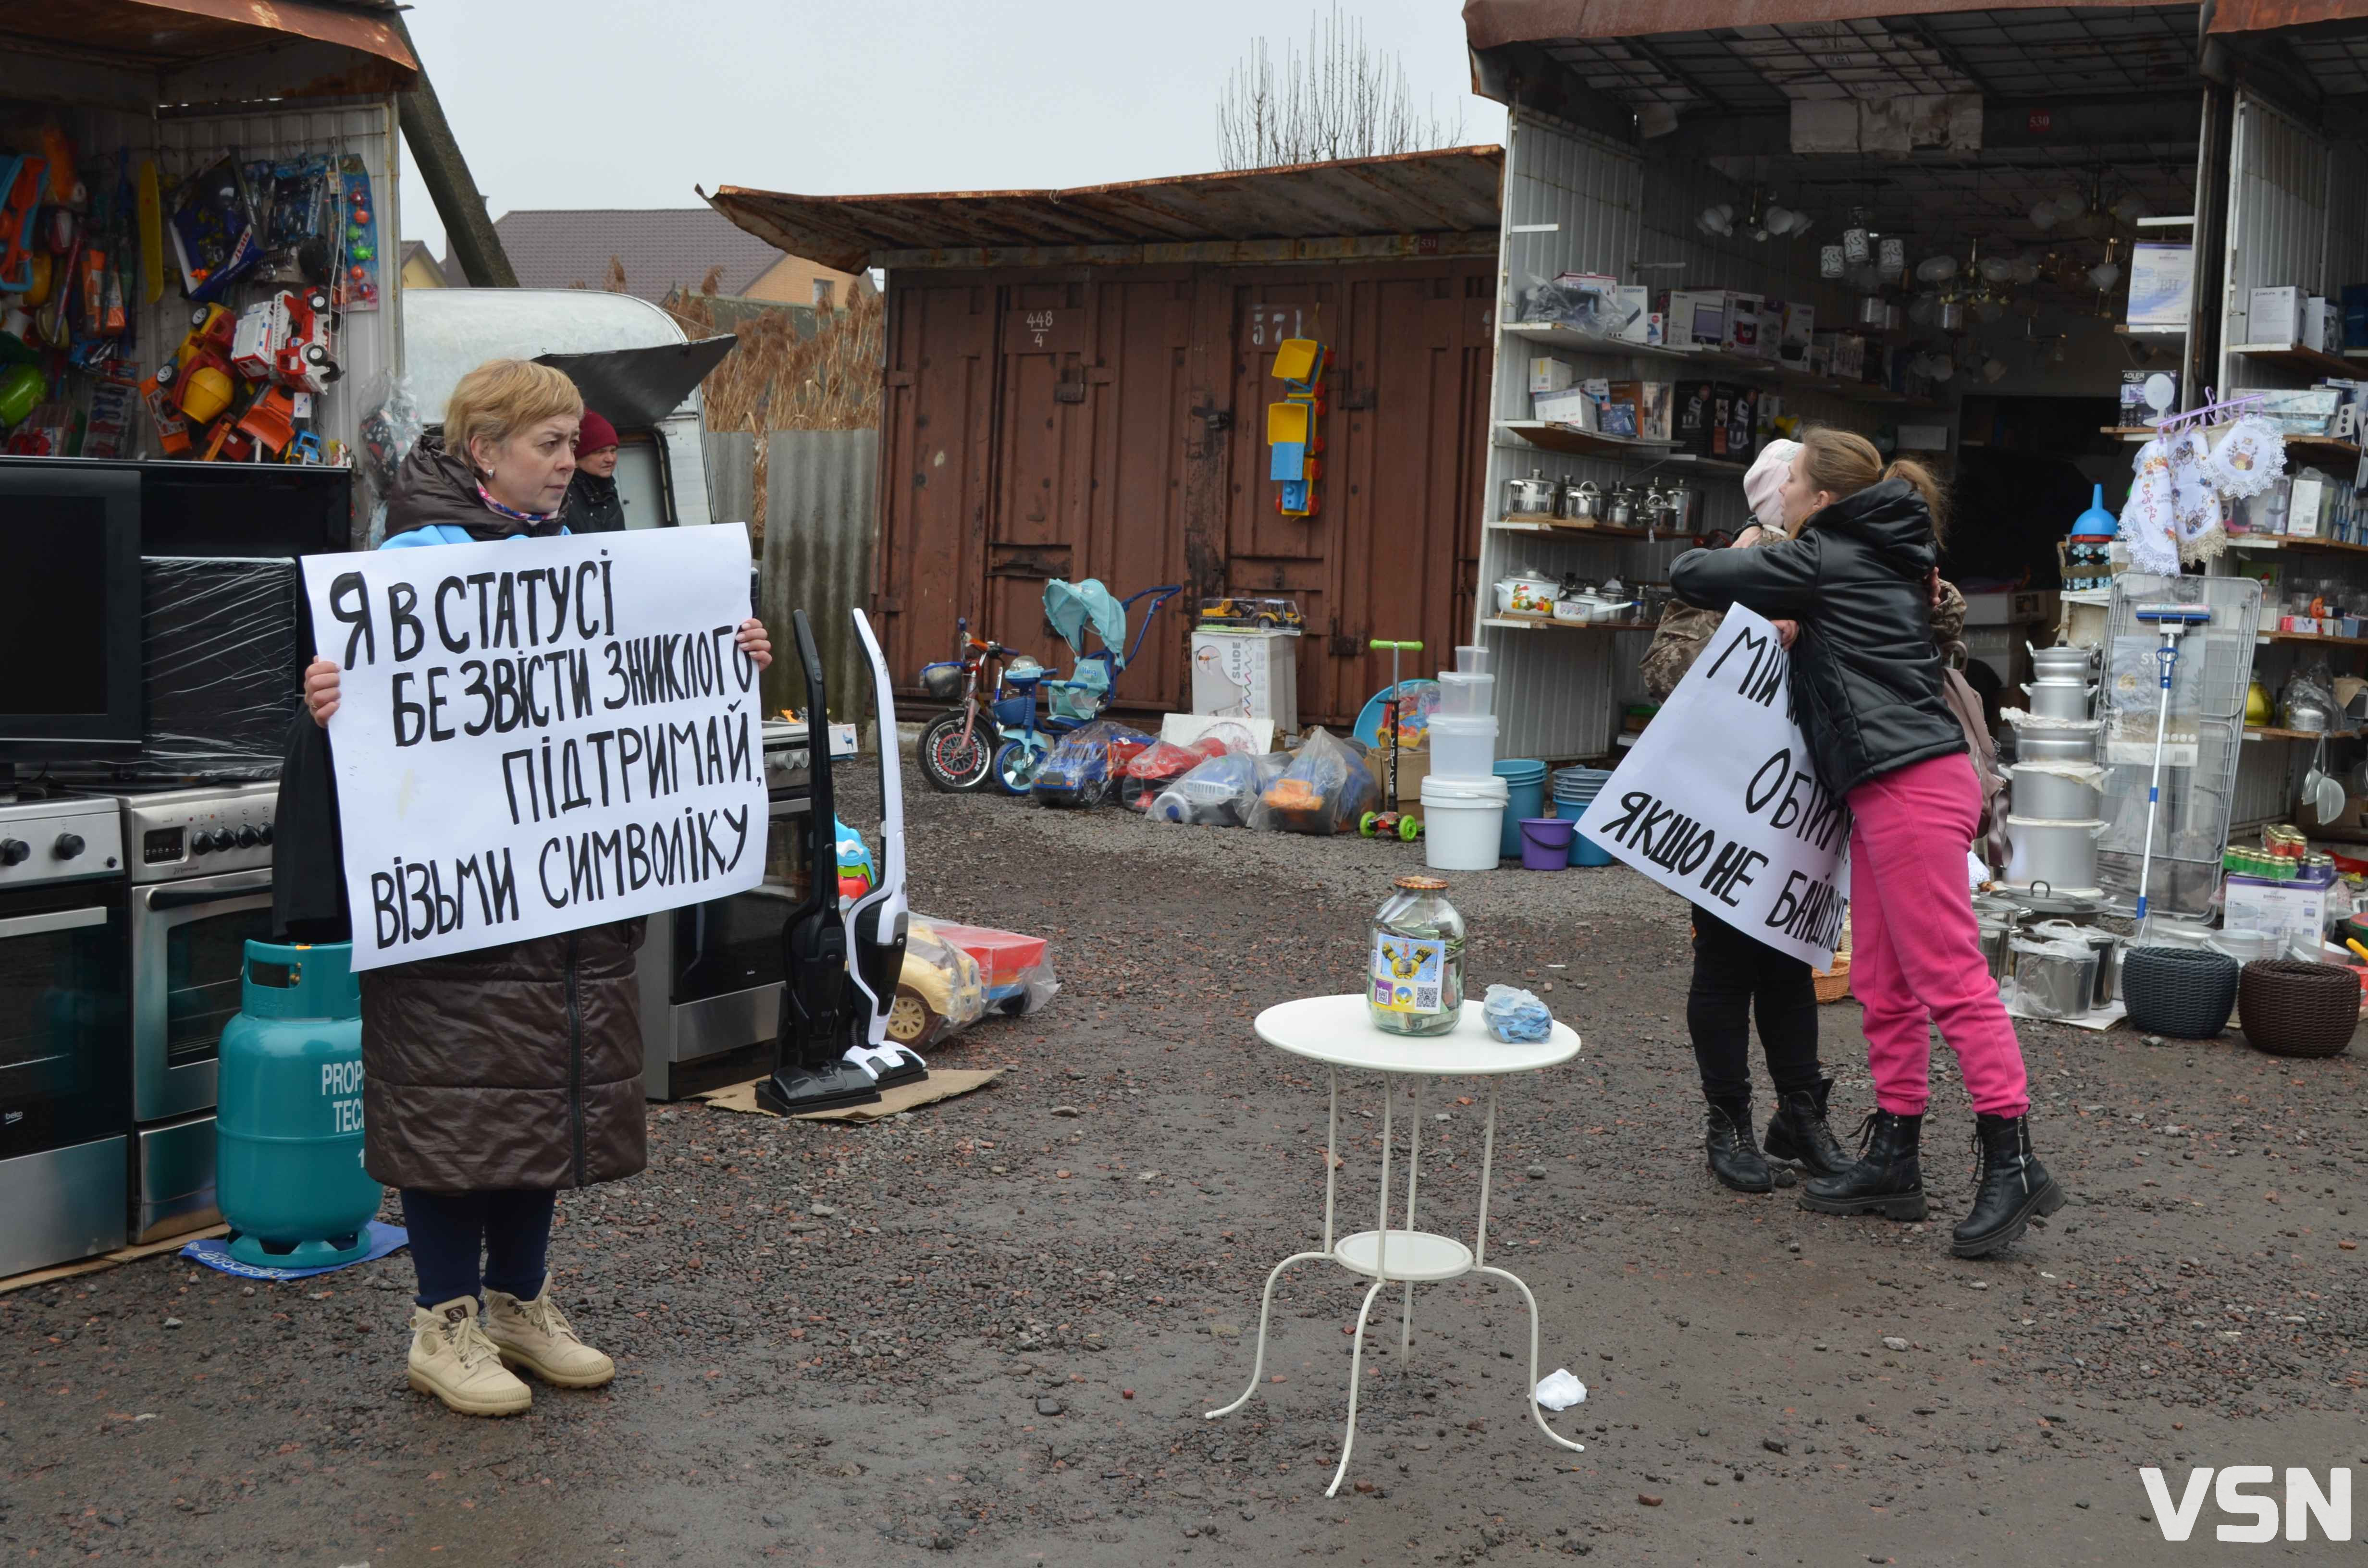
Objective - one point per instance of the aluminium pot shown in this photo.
(2040, 900)
(2032, 744)
(2061, 662)
(1620, 512)
(2056, 986)
(2051, 796)
(2061, 854)
(1531, 497)
(1582, 501)
(2060, 699)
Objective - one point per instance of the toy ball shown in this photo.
(44, 276)
(20, 392)
(207, 394)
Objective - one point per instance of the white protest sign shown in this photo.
(537, 735)
(1720, 803)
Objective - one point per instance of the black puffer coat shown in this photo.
(1866, 673)
(594, 506)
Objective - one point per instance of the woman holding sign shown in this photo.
(1868, 686)
(498, 1076)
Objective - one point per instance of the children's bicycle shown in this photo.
(957, 748)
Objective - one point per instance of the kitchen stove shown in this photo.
(199, 867)
(65, 1103)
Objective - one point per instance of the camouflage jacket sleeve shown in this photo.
(1949, 619)
(1677, 643)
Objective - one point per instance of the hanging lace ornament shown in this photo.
(2249, 457)
(2195, 505)
(2148, 528)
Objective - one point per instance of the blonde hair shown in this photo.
(1843, 463)
(502, 397)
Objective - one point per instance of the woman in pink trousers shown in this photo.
(1867, 687)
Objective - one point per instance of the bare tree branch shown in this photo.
(1339, 100)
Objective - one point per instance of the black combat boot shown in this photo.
(1798, 1132)
(1735, 1159)
(1888, 1178)
(2012, 1187)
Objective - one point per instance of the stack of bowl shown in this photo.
(1575, 789)
(2053, 819)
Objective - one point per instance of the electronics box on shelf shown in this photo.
(1573, 406)
(1694, 318)
(2274, 315)
(2290, 909)
(1639, 322)
(1742, 328)
(1551, 373)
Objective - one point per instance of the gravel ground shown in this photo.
(990, 1330)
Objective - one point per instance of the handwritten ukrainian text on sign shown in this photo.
(1720, 803)
(537, 735)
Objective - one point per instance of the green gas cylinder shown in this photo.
(288, 1126)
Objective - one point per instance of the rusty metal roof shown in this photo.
(2262, 15)
(168, 35)
(1450, 191)
(1490, 24)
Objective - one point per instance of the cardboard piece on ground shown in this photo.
(943, 1084)
(107, 1259)
(1183, 729)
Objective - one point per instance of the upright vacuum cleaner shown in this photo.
(832, 1015)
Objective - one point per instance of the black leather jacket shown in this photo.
(1866, 673)
(593, 506)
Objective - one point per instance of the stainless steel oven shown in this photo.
(711, 974)
(65, 1103)
(202, 890)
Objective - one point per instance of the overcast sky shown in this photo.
(630, 103)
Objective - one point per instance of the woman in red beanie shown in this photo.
(592, 505)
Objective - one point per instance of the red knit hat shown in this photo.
(595, 434)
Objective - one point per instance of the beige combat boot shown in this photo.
(534, 1335)
(451, 1358)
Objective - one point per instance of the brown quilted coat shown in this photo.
(1684, 632)
(515, 1066)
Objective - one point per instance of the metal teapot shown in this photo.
(1582, 501)
(1622, 511)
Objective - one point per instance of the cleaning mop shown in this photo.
(2173, 620)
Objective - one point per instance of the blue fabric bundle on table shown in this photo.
(1516, 1018)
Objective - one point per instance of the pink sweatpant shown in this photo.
(1914, 951)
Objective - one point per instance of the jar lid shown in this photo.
(1417, 882)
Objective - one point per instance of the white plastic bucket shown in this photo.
(1462, 823)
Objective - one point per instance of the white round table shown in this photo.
(1339, 1031)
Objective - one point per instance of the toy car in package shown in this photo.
(1150, 772)
(940, 991)
(213, 230)
(1017, 968)
(1082, 769)
(1221, 792)
(1326, 788)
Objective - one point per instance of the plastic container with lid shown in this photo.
(1466, 696)
(1471, 659)
(1462, 748)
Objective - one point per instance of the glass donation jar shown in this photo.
(1415, 984)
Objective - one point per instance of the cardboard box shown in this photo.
(1694, 414)
(1798, 331)
(2308, 499)
(2322, 325)
(1633, 310)
(1741, 334)
(2142, 390)
(1651, 401)
(1573, 406)
(2274, 316)
(1695, 318)
(1551, 374)
(2290, 909)
(1733, 438)
(1850, 356)
(1247, 674)
(2162, 279)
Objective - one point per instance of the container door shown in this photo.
(1141, 428)
(1043, 462)
(933, 466)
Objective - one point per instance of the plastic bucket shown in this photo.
(1462, 823)
(1525, 783)
(1545, 843)
(1583, 851)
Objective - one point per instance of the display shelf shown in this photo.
(2298, 356)
(1705, 359)
(1559, 526)
(2266, 732)
(2287, 541)
(2311, 637)
(2126, 330)
(1579, 342)
(2169, 220)
(2323, 448)
(1582, 443)
(2129, 432)
(1528, 624)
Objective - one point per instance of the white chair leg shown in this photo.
(1530, 1393)
(1356, 1384)
(1266, 1306)
(1405, 1323)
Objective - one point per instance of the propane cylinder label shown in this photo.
(1406, 973)
(341, 1085)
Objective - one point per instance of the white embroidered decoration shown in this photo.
(2196, 505)
(2248, 458)
(2147, 527)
